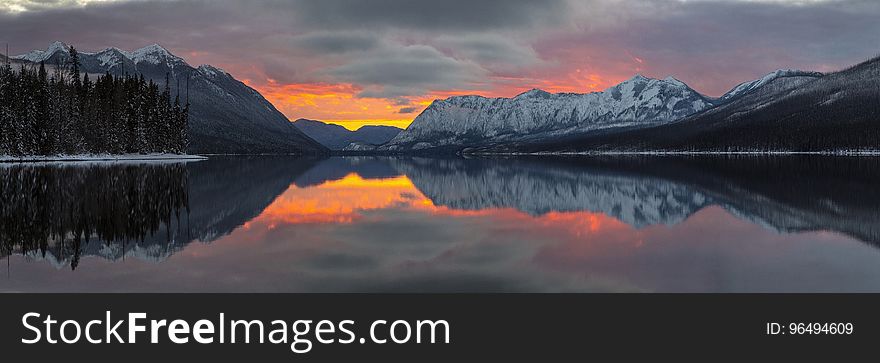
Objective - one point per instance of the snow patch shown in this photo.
(211, 71)
(101, 158)
(747, 87)
(468, 120)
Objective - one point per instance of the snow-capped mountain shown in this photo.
(113, 59)
(783, 112)
(37, 56)
(536, 114)
(226, 116)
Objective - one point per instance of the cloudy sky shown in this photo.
(358, 62)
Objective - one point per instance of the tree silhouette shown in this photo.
(61, 208)
(72, 113)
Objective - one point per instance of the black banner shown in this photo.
(513, 327)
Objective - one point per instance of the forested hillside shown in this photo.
(65, 112)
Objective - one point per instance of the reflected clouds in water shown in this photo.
(482, 225)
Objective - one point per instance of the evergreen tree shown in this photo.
(69, 113)
(6, 100)
(43, 131)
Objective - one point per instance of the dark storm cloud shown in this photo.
(302, 41)
(715, 44)
(130, 24)
(824, 30)
(406, 70)
(402, 48)
(336, 42)
(447, 15)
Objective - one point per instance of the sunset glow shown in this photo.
(347, 200)
(333, 103)
(339, 103)
(355, 64)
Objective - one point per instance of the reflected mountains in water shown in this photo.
(787, 194)
(62, 212)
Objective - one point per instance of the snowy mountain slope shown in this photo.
(336, 137)
(37, 56)
(835, 112)
(536, 114)
(226, 116)
(750, 86)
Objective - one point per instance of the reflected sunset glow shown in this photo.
(338, 201)
(362, 224)
(346, 201)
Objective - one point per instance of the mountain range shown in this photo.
(336, 137)
(537, 115)
(835, 112)
(226, 115)
(786, 110)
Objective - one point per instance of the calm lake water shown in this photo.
(365, 224)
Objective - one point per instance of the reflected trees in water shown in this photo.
(63, 208)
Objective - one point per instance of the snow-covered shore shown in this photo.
(686, 153)
(100, 158)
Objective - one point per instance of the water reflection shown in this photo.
(788, 194)
(59, 209)
(418, 224)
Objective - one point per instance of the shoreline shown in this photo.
(865, 153)
(100, 158)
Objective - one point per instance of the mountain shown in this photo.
(538, 115)
(835, 112)
(784, 74)
(336, 137)
(226, 116)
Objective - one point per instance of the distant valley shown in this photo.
(336, 137)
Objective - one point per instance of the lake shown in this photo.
(408, 224)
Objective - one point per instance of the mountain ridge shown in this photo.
(833, 113)
(226, 115)
(467, 120)
(476, 124)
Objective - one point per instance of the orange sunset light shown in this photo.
(339, 201)
(335, 104)
(339, 103)
(345, 200)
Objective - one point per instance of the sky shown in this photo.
(381, 62)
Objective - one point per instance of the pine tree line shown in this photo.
(67, 113)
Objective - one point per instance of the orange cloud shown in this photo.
(333, 103)
(338, 103)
